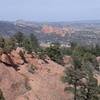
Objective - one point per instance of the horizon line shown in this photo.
(65, 21)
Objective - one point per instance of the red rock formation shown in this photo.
(57, 30)
(44, 84)
(16, 58)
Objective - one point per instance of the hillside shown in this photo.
(44, 84)
(29, 72)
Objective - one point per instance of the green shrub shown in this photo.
(54, 52)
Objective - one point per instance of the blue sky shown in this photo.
(50, 10)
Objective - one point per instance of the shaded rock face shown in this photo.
(11, 83)
(14, 58)
(7, 60)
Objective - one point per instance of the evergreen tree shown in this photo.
(19, 36)
(10, 44)
(34, 42)
(81, 77)
(91, 59)
(30, 43)
(2, 42)
(54, 53)
(90, 90)
(27, 45)
(73, 76)
(1, 95)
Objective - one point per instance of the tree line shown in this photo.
(29, 42)
(81, 75)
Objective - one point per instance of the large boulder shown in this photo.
(16, 57)
(5, 58)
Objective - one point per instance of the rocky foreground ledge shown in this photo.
(44, 83)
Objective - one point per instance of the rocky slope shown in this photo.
(42, 84)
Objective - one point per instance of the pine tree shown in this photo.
(1, 95)
(19, 36)
(81, 77)
(34, 42)
(73, 76)
(27, 45)
(90, 90)
(2, 42)
(54, 52)
(10, 44)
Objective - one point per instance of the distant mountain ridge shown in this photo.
(88, 32)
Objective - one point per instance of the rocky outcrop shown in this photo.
(13, 59)
(7, 60)
(17, 58)
(44, 84)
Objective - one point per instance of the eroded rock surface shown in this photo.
(11, 82)
(44, 84)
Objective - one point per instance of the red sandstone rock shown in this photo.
(44, 84)
(11, 83)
